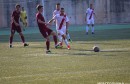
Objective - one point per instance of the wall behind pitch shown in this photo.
(6, 8)
(107, 11)
(75, 9)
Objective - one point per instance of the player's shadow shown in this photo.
(37, 47)
(82, 54)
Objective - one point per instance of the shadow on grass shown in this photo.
(82, 54)
(37, 47)
(72, 54)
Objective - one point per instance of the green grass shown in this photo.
(80, 65)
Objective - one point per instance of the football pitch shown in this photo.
(80, 65)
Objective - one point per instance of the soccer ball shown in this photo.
(96, 49)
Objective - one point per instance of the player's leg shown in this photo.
(51, 32)
(92, 21)
(60, 38)
(55, 39)
(87, 27)
(24, 24)
(66, 41)
(48, 45)
(92, 28)
(18, 29)
(11, 38)
(46, 36)
(68, 35)
(62, 33)
(23, 39)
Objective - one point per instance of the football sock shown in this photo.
(87, 28)
(66, 42)
(55, 39)
(68, 35)
(23, 40)
(60, 38)
(11, 40)
(92, 29)
(47, 45)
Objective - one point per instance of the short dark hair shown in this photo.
(38, 7)
(91, 4)
(58, 4)
(17, 5)
(62, 8)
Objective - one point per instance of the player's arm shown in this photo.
(53, 19)
(86, 14)
(43, 22)
(67, 26)
(67, 22)
(53, 16)
(95, 15)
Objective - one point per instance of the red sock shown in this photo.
(47, 45)
(23, 40)
(11, 39)
(55, 39)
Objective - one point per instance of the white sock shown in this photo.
(68, 35)
(60, 38)
(87, 28)
(92, 29)
(66, 42)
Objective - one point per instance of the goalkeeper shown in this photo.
(23, 18)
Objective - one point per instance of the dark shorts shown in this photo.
(16, 28)
(46, 33)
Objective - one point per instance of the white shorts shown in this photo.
(90, 21)
(62, 31)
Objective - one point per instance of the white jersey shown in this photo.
(89, 12)
(58, 19)
(56, 12)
